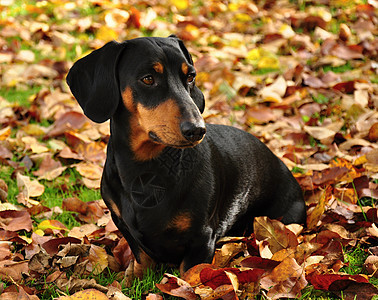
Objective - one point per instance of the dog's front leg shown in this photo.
(201, 251)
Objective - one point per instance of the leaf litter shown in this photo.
(302, 78)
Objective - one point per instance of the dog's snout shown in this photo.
(193, 132)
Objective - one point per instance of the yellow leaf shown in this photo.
(40, 232)
(194, 31)
(360, 160)
(5, 133)
(244, 18)
(253, 55)
(233, 6)
(33, 129)
(180, 4)
(49, 224)
(26, 239)
(106, 34)
(315, 215)
(271, 62)
(286, 31)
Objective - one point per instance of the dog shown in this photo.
(173, 184)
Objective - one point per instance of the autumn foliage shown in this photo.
(299, 75)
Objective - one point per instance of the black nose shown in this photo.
(192, 132)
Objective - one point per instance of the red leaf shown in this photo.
(345, 87)
(216, 278)
(333, 282)
(259, 263)
(52, 246)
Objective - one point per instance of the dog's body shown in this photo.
(172, 190)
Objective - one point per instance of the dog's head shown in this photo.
(153, 78)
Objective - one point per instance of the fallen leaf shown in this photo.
(98, 260)
(88, 294)
(273, 231)
(15, 220)
(29, 187)
(12, 271)
(275, 91)
(176, 287)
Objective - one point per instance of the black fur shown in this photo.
(177, 204)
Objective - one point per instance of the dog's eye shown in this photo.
(148, 80)
(191, 78)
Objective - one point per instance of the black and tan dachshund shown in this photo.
(175, 185)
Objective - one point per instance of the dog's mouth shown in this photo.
(180, 144)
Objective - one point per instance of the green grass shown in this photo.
(20, 97)
(320, 98)
(355, 259)
(147, 285)
(339, 69)
(264, 71)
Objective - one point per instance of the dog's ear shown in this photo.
(198, 98)
(94, 83)
(195, 93)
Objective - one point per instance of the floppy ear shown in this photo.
(94, 83)
(195, 93)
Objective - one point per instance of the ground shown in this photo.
(299, 75)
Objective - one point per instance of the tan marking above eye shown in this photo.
(158, 67)
(184, 68)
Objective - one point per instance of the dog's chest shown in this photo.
(154, 184)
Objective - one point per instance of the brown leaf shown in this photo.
(71, 120)
(176, 287)
(3, 190)
(122, 253)
(52, 246)
(98, 260)
(40, 262)
(89, 170)
(12, 270)
(278, 236)
(49, 169)
(224, 255)
(14, 220)
(290, 288)
(315, 215)
(82, 231)
(286, 280)
(30, 187)
(5, 153)
(329, 175)
(5, 252)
